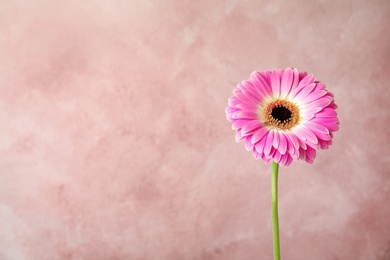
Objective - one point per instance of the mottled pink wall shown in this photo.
(114, 142)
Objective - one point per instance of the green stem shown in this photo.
(275, 218)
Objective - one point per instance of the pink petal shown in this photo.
(319, 86)
(295, 79)
(288, 161)
(322, 136)
(323, 144)
(286, 83)
(308, 114)
(284, 159)
(230, 109)
(259, 134)
(302, 154)
(326, 112)
(271, 154)
(268, 143)
(282, 143)
(248, 144)
(314, 96)
(326, 120)
(312, 145)
(250, 89)
(276, 140)
(314, 126)
(333, 106)
(250, 126)
(260, 145)
(239, 137)
(277, 156)
(246, 114)
(252, 95)
(244, 106)
(255, 89)
(290, 146)
(295, 155)
(302, 144)
(239, 124)
(310, 155)
(322, 102)
(309, 79)
(301, 85)
(264, 83)
(306, 135)
(332, 127)
(233, 101)
(304, 92)
(275, 83)
(266, 160)
(302, 75)
(246, 99)
(293, 140)
(256, 154)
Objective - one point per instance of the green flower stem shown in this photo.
(275, 218)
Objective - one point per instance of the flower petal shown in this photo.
(302, 75)
(304, 92)
(268, 142)
(295, 79)
(314, 96)
(255, 90)
(256, 154)
(271, 154)
(319, 103)
(295, 155)
(307, 80)
(302, 154)
(326, 112)
(266, 160)
(239, 137)
(282, 143)
(276, 140)
(275, 83)
(250, 126)
(260, 145)
(246, 99)
(306, 135)
(286, 83)
(277, 156)
(310, 155)
(314, 126)
(288, 161)
(293, 140)
(264, 83)
(319, 85)
(332, 124)
(246, 115)
(248, 144)
(308, 114)
(259, 134)
(285, 160)
(239, 124)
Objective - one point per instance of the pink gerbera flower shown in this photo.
(283, 115)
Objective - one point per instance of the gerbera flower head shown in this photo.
(283, 115)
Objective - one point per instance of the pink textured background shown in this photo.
(114, 142)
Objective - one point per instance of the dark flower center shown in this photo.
(281, 114)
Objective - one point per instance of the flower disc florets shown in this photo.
(280, 114)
